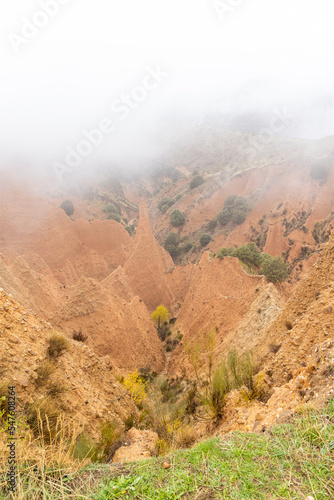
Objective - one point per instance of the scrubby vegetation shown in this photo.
(320, 172)
(291, 461)
(196, 181)
(68, 207)
(110, 209)
(214, 382)
(171, 244)
(205, 239)
(212, 225)
(274, 268)
(235, 210)
(242, 465)
(177, 218)
(115, 217)
(165, 204)
(160, 316)
(57, 345)
(79, 336)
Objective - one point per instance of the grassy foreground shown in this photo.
(291, 461)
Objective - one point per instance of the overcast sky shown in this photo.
(65, 63)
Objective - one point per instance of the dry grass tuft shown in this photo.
(57, 344)
(44, 371)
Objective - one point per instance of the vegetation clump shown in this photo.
(165, 204)
(320, 172)
(160, 316)
(196, 181)
(235, 210)
(212, 224)
(273, 268)
(43, 372)
(110, 209)
(115, 217)
(68, 207)
(79, 336)
(57, 345)
(215, 382)
(242, 466)
(135, 384)
(205, 239)
(171, 244)
(177, 218)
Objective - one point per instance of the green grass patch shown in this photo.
(291, 461)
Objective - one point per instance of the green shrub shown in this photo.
(165, 204)
(187, 247)
(230, 200)
(239, 216)
(315, 235)
(4, 384)
(275, 269)
(235, 209)
(171, 244)
(196, 181)
(68, 207)
(177, 218)
(205, 239)
(212, 224)
(110, 209)
(224, 216)
(249, 254)
(164, 209)
(241, 203)
(224, 252)
(113, 216)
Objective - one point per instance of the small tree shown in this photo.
(224, 216)
(160, 315)
(110, 209)
(165, 204)
(205, 239)
(68, 207)
(196, 181)
(172, 244)
(275, 269)
(249, 254)
(113, 216)
(212, 224)
(177, 218)
(239, 216)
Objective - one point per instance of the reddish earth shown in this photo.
(83, 272)
(91, 394)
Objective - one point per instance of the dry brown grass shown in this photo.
(44, 371)
(57, 345)
(45, 458)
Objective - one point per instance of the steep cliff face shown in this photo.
(303, 331)
(88, 389)
(285, 203)
(70, 272)
(116, 327)
(30, 226)
(147, 266)
(220, 295)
